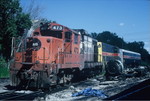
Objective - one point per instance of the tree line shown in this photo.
(114, 39)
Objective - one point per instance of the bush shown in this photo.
(4, 70)
(143, 63)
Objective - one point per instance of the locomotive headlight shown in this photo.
(35, 44)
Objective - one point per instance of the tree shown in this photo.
(111, 38)
(12, 23)
(135, 46)
(34, 10)
(94, 35)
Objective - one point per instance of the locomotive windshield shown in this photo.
(55, 32)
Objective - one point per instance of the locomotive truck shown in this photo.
(55, 54)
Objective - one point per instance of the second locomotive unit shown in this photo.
(55, 54)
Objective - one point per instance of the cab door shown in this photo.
(68, 42)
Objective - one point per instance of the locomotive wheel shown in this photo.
(114, 67)
(67, 79)
(64, 80)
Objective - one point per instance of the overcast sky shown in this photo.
(129, 19)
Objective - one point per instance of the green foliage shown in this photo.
(143, 63)
(136, 46)
(94, 35)
(110, 38)
(12, 23)
(2, 60)
(23, 22)
(4, 71)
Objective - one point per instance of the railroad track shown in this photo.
(6, 94)
(14, 95)
(122, 86)
(24, 95)
(139, 91)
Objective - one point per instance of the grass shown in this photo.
(4, 71)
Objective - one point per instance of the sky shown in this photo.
(129, 19)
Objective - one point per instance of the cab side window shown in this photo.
(68, 36)
(75, 38)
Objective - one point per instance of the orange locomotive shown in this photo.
(52, 55)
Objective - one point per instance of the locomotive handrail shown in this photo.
(27, 63)
(68, 45)
(12, 46)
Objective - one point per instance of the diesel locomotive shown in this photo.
(55, 54)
